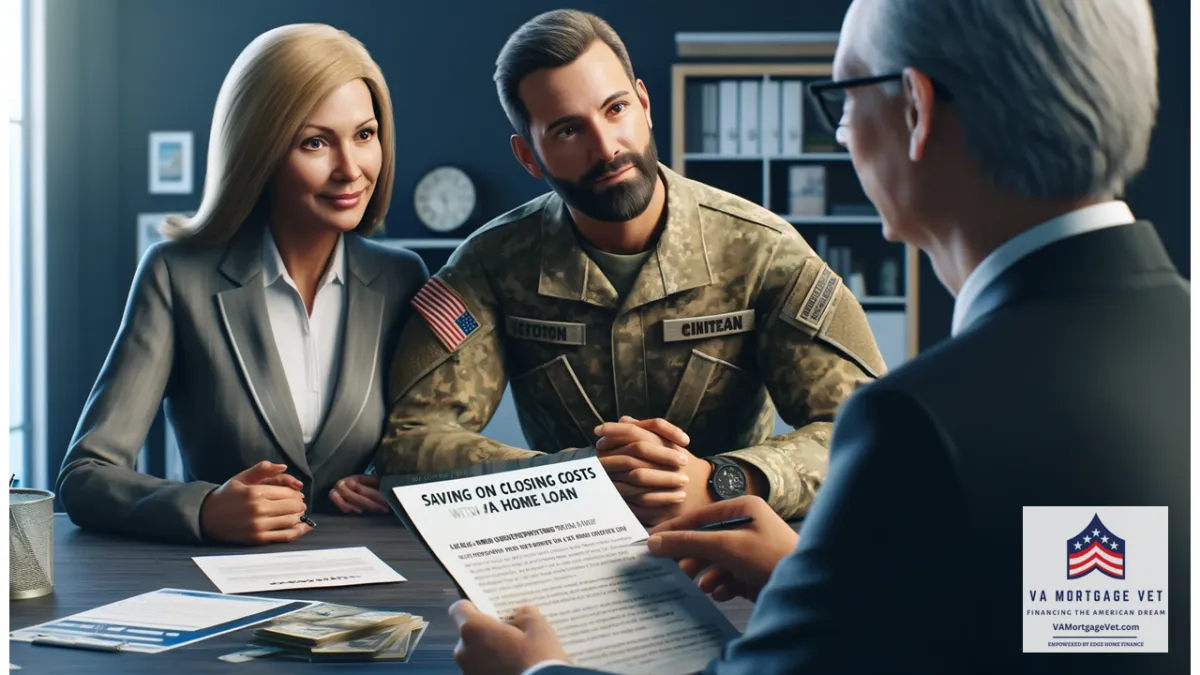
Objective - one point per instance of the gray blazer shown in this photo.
(196, 335)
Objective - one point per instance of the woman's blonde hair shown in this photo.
(272, 87)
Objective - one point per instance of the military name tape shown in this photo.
(700, 327)
(816, 303)
(554, 332)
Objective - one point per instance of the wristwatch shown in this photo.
(727, 480)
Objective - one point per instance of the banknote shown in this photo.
(327, 623)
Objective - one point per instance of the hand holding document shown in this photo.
(557, 536)
(322, 568)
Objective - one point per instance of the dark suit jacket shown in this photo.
(196, 334)
(1071, 389)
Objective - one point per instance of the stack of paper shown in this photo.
(328, 632)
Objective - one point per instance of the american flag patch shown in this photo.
(447, 315)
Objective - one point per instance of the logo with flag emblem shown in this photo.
(1095, 549)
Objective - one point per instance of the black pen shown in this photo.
(730, 524)
(307, 521)
(725, 524)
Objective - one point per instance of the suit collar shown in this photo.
(274, 268)
(679, 261)
(243, 313)
(1077, 222)
(248, 330)
(243, 259)
(1103, 259)
(363, 328)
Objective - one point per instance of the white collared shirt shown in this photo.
(543, 664)
(309, 346)
(1070, 224)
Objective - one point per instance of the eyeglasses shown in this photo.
(830, 95)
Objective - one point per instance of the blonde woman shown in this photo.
(265, 322)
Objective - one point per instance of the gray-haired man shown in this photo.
(996, 136)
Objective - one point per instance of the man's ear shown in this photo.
(918, 111)
(644, 99)
(524, 155)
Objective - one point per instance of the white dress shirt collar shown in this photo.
(274, 269)
(1070, 224)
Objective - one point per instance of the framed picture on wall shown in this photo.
(147, 229)
(171, 162)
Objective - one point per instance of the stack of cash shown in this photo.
(328, 632)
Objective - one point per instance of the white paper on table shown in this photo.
(320, 568)
(160, 620)
(558, 536)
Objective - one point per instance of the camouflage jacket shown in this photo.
(732, 315)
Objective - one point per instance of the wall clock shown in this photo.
(444, 198)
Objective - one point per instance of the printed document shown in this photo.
(320, 568)
(157, 621)
(559, 536)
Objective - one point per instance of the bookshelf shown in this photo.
(750, 129)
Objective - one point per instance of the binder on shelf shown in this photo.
(792, 117)
(839, 261)
(889, 278)
(891, 334)
(693, 140)
(748, 91)
(710, 122)
(770, 118)
(806, 190)
(729, 124)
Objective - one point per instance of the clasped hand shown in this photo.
(651, 467)
(261, 505)
(264, 505)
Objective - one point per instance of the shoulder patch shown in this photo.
(820, 305)
(812, 296)
(448, 316)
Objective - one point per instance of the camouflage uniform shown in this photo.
(733, 305)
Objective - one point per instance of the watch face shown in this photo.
(729, 482)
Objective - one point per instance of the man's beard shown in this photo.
(619, 202)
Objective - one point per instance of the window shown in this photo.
(18, 224)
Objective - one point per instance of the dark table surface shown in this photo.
(93, 569)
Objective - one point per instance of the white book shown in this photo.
(729, 123)
(749, 117)
(792, 113)
(890, 329)
(710, 118)
(770, 118)
(806, 189)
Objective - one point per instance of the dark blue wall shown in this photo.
(119, 70)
